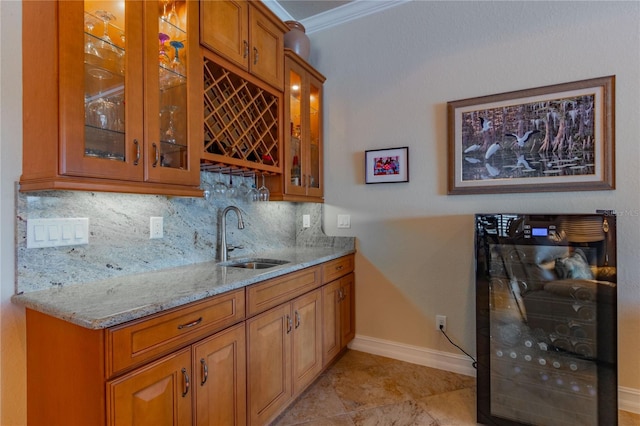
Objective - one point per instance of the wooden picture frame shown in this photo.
(390, 165)
(552, 138)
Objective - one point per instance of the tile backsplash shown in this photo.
(119, 241)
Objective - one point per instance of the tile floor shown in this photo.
(364, 389)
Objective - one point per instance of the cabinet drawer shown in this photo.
(337, 268)
(139, 341)
(268, 294)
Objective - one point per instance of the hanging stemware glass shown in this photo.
(263, 191)
(242, 189)
(219, 188)
(253, 195)
(231, 190)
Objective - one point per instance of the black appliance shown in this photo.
(546, 319)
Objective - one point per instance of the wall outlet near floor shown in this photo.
(156, 227)
(441, 321)
(306, 220)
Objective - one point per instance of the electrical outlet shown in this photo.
(155, 227)
(441, 322)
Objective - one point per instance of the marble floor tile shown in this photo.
(361, 389)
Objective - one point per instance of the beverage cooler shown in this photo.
(546, 319)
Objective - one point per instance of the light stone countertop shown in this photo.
(113, 301)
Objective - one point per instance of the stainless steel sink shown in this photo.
(254, 263)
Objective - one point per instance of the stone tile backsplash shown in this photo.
(119, 241)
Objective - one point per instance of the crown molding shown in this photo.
(337, 16)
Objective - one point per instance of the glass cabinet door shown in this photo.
(314, 164)
(100, 89)
(170, 58)
(293, 167)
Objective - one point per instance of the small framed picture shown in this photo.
(389, 165)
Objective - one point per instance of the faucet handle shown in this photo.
(231, 247)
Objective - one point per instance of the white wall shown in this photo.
(390, 76)
(12, 329)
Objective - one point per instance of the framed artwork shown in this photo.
(389, 165)
(552, 138)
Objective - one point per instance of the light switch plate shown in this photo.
(57, 232)
(344, 221)
(306, 220)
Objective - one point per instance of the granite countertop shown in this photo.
(113, 301)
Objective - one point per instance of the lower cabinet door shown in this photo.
(347, 309)
(307, 339)
(269, 363)
(331, 347)
(220, 378)
(157, 394)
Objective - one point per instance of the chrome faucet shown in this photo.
(223, 230)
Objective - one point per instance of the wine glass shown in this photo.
(163, 58)
(101, 113)
(89, 46)
(172, 16)
(231, 190)
(170, 134)
(243, 188)
(106, 17)
(252, 194)
(219, 188)
(176, 64)
(263, 191)
(207, 191)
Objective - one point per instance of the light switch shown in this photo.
(306, 220)
(57, 232)
(344, 221)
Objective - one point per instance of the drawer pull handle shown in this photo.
(289, 324)
(255, 56)
(190, 324)
(297, 319)
(205, 372)
(339, 268)
(187, 384)
(156, 155)
(246, 49)
(137, 144)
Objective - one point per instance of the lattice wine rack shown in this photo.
(240, 123)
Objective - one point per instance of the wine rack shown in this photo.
(241, 123)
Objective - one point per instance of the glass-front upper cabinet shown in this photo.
(125, 93)
(303, 109)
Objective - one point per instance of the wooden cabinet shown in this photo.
(284, 355)
(220, 379)
(148, 371)
(338, 307)
(113, 102)
(157, 394)
(199, 364)
(247, 34)
(302, 178)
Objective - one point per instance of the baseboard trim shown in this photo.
(628, 398)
